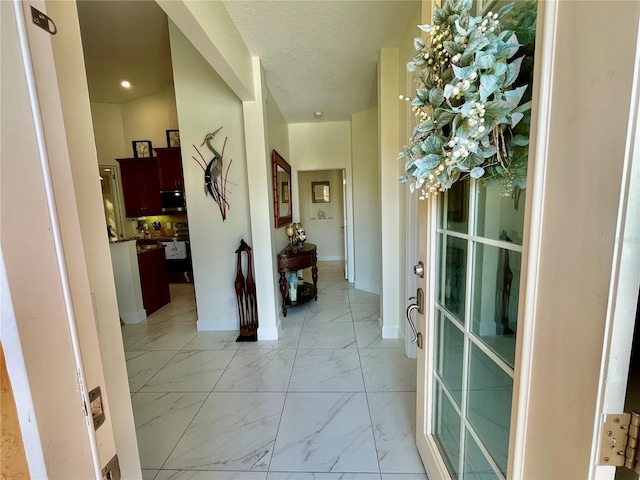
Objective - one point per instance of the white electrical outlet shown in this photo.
(232, 302)
(168, 225)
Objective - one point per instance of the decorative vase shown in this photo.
(293, 293)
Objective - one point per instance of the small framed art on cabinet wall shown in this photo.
(173, 138)
(142, 149)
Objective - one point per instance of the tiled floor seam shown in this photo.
(366, 395)
(185, 431)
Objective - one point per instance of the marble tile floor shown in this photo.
(328, 400)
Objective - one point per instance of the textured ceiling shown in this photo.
(317, 54)
(321, 55)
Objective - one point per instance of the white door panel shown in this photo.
(48, 283)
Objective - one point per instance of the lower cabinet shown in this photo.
(154, 279)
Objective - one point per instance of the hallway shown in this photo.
(329, 396)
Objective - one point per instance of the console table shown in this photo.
(292, 259)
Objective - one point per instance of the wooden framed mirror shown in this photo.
(282, 204)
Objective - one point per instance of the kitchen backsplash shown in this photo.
(163, 225)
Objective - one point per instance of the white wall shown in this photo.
(126, 276)
(393, 260)
(109, 133)
(366, 200)
(326, 233)
(204, 104)
(278, 129)
(277, 139)
(148, 118)
(260, 198)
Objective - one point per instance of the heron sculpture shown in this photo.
(215, 183)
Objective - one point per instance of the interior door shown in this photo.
(50, 326)
(345, 230)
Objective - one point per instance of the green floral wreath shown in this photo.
(472, 105)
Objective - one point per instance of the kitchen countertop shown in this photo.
(179, 238)
(146, 248)
(123, 240)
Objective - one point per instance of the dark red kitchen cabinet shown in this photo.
(170, 167)
(154, 279)
(140, 186)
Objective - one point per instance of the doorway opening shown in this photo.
(111, 201)
(323, 213)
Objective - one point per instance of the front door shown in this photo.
(474, 244)
(473, 419)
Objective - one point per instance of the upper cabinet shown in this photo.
(140, 186)
(170, 168)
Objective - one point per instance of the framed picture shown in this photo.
(285, 192)
(320, 192)
(142, 149)
(173, 138)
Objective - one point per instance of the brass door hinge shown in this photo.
(619, 441)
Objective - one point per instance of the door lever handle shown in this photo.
(417, 335)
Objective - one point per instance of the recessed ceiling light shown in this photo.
(318, 114)
(125, 84)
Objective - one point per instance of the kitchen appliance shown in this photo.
(173, 201)
(178, 255)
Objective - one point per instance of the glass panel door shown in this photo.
(479, 253)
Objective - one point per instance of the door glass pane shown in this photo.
(489, 404)
(500, 218)
(476, 466)
(457, 212)
(449, 355)
(453, 280)
(446, 430)
(496, 284)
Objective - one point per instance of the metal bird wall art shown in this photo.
(215, 182)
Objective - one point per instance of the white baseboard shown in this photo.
(367, 287)
(330, 258)
(390, 331)
(270, 333)
(217, 325)
(134, 317)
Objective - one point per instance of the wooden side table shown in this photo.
(292, 259)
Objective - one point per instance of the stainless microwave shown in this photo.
(173, 201)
